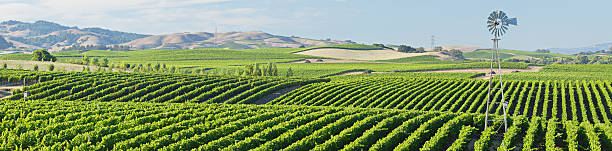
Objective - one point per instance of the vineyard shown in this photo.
(398, 111)
(585, 101)
(88, 125)
(129, 87)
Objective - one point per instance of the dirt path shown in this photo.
(44, 66)
(275, 95)
(486, 70)
(5, 91)
(5, 94)
(10, 87)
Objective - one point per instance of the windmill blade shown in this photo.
(494, 15)
(492, 27)
(511, 21)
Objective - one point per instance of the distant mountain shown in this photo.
(231, 40)
(597, 47)
(5, 44)
(55, 37)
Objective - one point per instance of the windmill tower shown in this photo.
(497, 23)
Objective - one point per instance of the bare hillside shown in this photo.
(231, 40)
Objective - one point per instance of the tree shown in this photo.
(582, 59)
(4, 66)
(408, 49)
(104, 62)
(42, 55)
(257, 70)
(542, 51)
(289, 73)
(437, 49)
(595, 60)
(172, 69)
(35, 67)
(124, 65)
(454, 53)
(86, 59)
(51, 67)
(95, 61)
(275, 71)
(157, 67)
(420, 49)
(110, 68)
(248, 70)
(404, 48)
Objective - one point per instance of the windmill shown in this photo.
(497, 23)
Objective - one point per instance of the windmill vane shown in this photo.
(498, 23)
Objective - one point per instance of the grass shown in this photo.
(228, 61)
(347, 46)
(567, 72)
(413, 59)
(505, 54)
(485, 54)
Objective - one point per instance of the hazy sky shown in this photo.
(542, 23)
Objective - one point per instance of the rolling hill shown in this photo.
(55, 37)
(231, 40)
(596, 47)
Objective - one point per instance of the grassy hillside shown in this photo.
(506, 54)
(348, 46)
(223, 61)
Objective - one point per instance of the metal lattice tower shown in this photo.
(433, 42)
(497, 24)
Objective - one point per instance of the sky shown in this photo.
(542, 23)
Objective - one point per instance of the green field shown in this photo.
(560, 107)
(179, 126)
(224, 61)
(505, 54)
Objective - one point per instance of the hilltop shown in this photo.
(230, 40)
(55, 37)
(596, 47)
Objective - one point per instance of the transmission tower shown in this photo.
(433, 42)
(497, 24)
(215, 38)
